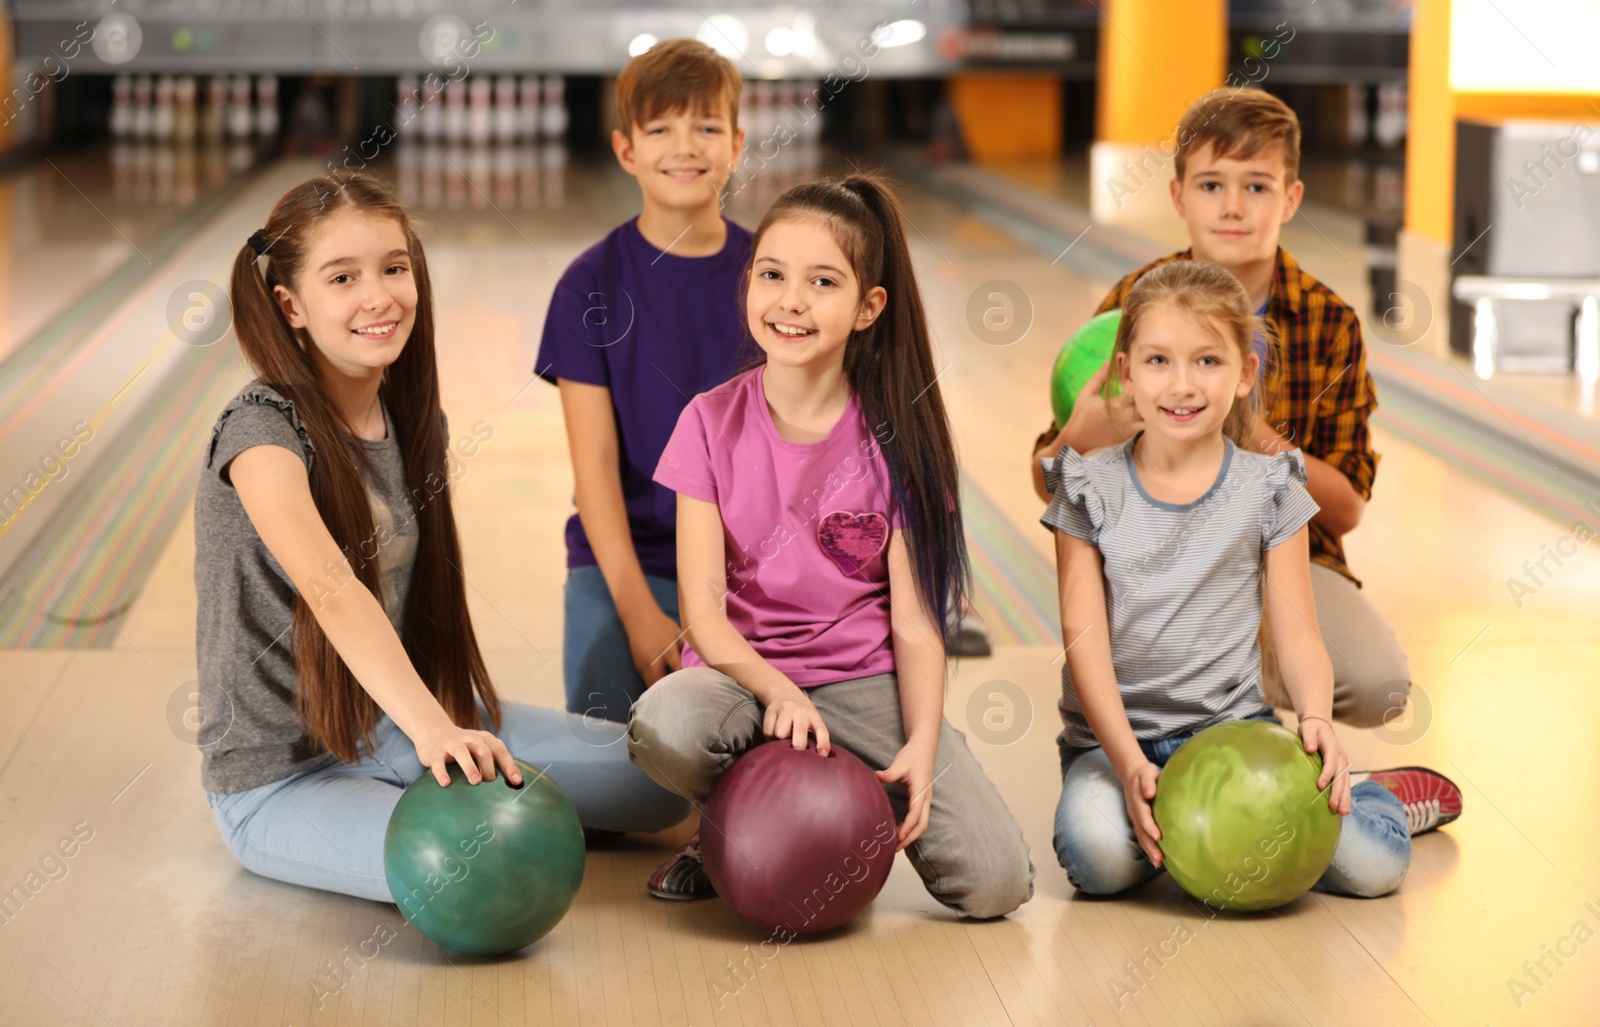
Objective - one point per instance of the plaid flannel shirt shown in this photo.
(1324, 395)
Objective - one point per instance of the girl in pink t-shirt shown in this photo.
(820, 549)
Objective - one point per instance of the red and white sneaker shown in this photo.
(1431, 800)
(682, 877)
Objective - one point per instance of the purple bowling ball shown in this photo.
(795, 841)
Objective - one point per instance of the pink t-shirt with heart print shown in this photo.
(806, 530)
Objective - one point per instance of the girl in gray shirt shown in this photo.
(337, 662)
(1163, 545)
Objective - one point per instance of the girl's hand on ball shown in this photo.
(1318, 736)
(476, 752)
(1137, 791)
(793, 716)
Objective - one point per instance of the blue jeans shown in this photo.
(324, 828)
(596, 664)
(1094, 838)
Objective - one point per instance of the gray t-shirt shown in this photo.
(1183, 582)
(250, 734)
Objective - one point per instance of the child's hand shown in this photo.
(1319, 737)
(655, 641)
(476, 752)
(1137, 791)
(793, 716)
(913, 765)
(1108, 422)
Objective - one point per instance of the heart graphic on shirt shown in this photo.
(851, 540)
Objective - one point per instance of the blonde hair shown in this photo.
(1218, 303)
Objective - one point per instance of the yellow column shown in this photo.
(1426, 247)
(1156, 58)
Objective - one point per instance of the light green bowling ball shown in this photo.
(1243, 826)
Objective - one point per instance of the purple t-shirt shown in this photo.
(655, 329)
(806, 529)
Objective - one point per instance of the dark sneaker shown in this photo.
(1431, 800)
(682, 877)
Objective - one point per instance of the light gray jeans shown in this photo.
(692, 724)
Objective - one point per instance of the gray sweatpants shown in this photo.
(692, 724)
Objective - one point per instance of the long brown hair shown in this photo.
(437, 633)
(1215, 299)
(890, 367)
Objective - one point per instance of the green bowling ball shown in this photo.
(486, 868)
(1082, 355)
(1243, 826)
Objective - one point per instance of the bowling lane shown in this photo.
(69, 224)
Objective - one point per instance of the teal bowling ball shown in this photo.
(1081, 356)
(488, 868)
(1243, 826)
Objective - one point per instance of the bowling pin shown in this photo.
(214, 122)
(267, 105)
(143, 116)
(240, 120)
(163, 115)
(505, 109)
(480, 110)
(553, 111)
(430, 114)
(788, 93)
(122, 106)
(1357, 126)
(810, 111)
(528, 107)
(455, 111)
(455, 176)
(406, 115)
(185, 121)
(764, 117)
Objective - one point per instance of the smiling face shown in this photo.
(356, 297)
(804, 299)
(1235, 206)
(1184, 376)
(683, 159)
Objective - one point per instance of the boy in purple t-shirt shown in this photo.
(639, 323)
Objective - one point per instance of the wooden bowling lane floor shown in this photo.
(152, 922)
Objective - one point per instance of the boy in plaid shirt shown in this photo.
(1237, 183)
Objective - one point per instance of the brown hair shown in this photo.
(890, 367)
(1218, 303)
(1240, 123)
(338, 713)
(677, 75)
